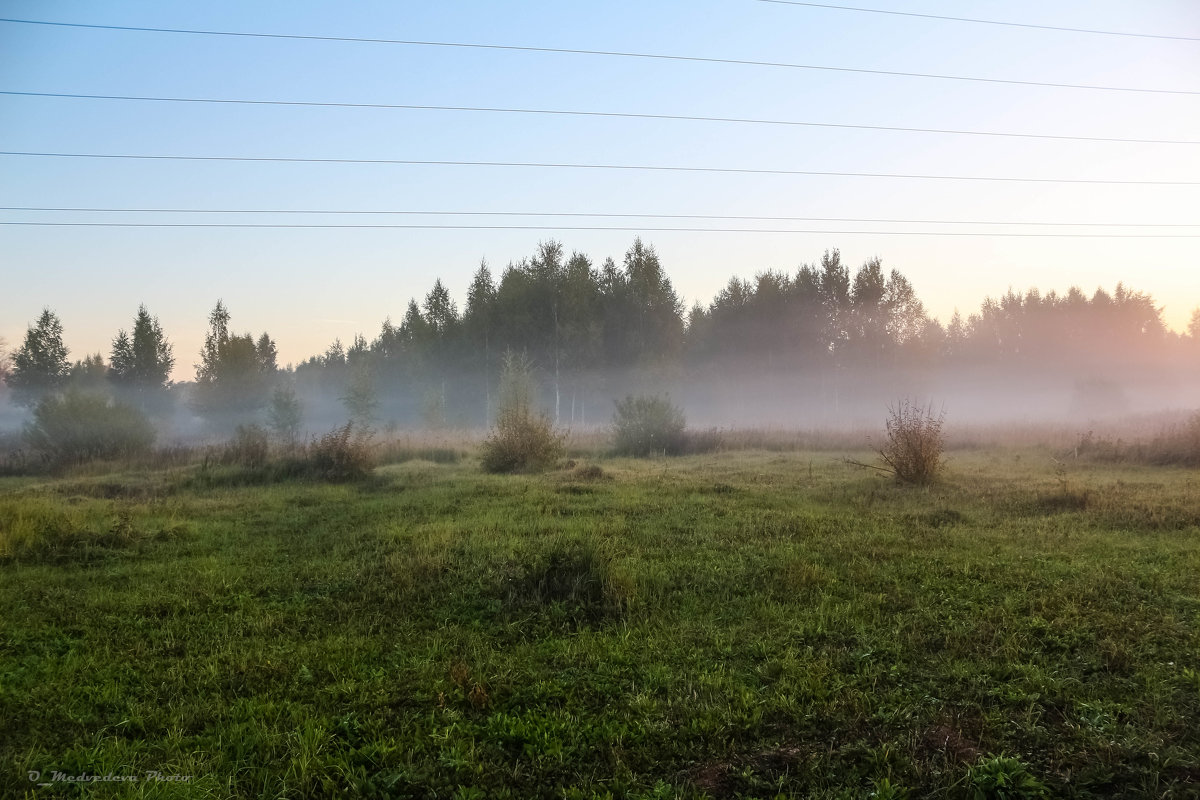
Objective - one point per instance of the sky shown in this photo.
(307, 286)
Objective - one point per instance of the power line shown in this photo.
(611, 114)
(577, 214)
(984, 21)
(596, 228)
(625, 167)
(607, 53)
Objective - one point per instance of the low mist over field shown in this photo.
(827, 346)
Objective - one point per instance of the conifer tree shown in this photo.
(40, 365)
(140, 365)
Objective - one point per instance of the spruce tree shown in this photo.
(140, 365)
(40, 366)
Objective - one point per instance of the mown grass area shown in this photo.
(745, 624)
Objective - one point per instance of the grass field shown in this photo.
(749, 624)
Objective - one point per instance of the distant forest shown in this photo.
(825, 343)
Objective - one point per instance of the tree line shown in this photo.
(595, 332)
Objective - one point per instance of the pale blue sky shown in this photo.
(307, 287)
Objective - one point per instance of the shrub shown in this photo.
(646, 424)
(343, 454)
(522, 442)
(523, 439)
(589, 472)
(915, 443)
(77, 426)
(249, 447)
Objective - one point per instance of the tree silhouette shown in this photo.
(40, 365)
(235, 373)
(141, 364)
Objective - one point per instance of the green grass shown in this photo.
(739, 625)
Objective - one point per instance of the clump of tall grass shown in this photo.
(39, 529)
(343, 454)
(573, 580)
(250, 447)
(1176, 444)
(396, 451)
(709, 440)
(28, 523)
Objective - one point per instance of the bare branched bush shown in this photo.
(915, 442)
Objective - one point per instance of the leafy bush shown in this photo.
(343, 454)
(523, 439)
(76, 427)
(646, 424)
(589, 472)
(915, 443)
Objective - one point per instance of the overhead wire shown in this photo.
(586, 166)
(610, 114)
(698, 118)
(319, 226)
(580, 214)
(1060, 28)
(603, 53)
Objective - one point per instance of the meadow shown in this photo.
(749, 623)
